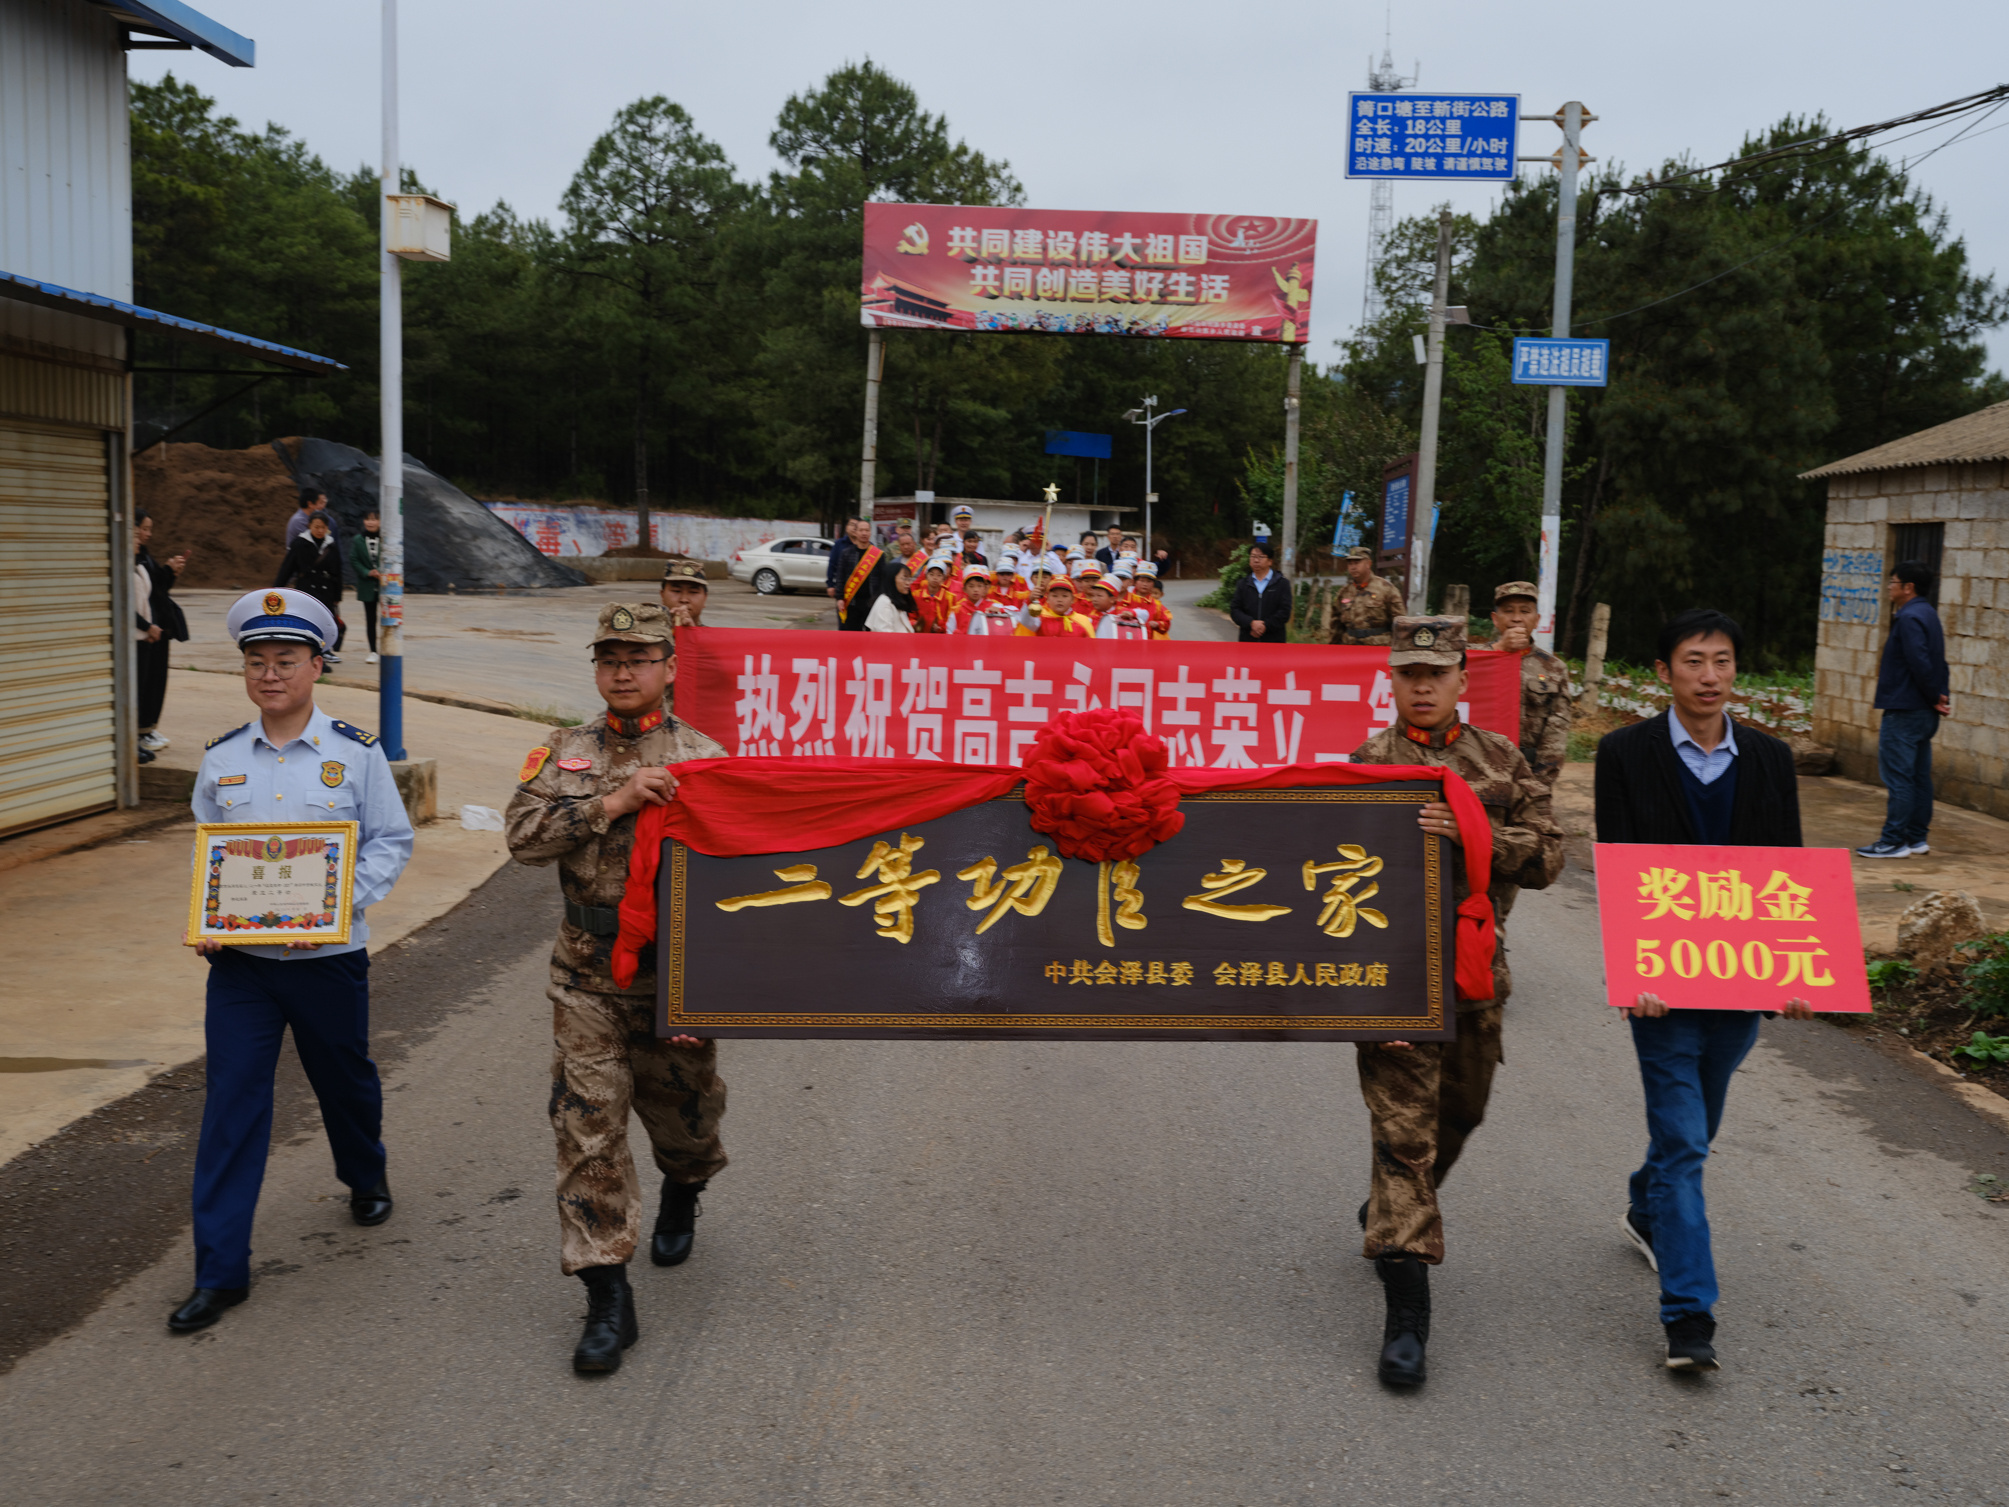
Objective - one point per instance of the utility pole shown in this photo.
(391, 421)
(1433, 402)
(1292, 384)
(1150, 421)
(1571, 118)
(868, 472)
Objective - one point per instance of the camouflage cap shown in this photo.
(634, 623)
(1360, 552)
(1427, 641)
(680, 569)
(1515, 589)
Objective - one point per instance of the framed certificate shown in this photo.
(267, 884)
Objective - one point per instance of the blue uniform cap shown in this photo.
(280, 614)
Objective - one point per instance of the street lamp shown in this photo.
(1150, 421)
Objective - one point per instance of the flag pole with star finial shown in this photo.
(1046, 524)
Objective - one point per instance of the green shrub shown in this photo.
(1888, 971)
(1231, 576)
(1985, 1050)
(1986, 979)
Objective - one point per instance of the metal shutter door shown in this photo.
(57, 689)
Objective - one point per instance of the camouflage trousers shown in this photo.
(1425, 1100)
(606, 1058)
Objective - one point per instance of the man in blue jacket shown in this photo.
(1912, 694)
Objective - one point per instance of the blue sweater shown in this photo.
(1912, 676)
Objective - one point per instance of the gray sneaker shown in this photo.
(1882, 849)
(1918, 850)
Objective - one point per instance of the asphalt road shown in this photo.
(975, 1273)
(528, 648)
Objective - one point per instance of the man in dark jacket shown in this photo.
(1912, 694)
(1261, 606)
(1690, 775)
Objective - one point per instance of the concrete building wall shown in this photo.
(1971, 753)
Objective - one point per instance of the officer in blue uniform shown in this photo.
(293, 762)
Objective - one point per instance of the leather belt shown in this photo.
(600, 920)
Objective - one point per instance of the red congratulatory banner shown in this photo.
(1709, 928)
(983, 701)
(1072, 272)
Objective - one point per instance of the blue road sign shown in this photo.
(1395, 513)
(1436, 137)
(1078, 442)
(1561, 363)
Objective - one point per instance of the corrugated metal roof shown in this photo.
(172, 18)
(112, 311)
(1979, 437)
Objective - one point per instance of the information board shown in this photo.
(1561, 362)
(1434, 137)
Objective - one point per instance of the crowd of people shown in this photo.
(1690, 775)
(1098, 587)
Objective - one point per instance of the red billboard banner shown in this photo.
(784, 692)
(1077, 272)
(1709, 928)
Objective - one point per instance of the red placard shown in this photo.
(781, 692)
(1708, 928)
(1075, 272)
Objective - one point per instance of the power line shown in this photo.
(2001, 96)
(1804, 148)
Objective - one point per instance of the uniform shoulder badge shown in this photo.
(224, 737)
(575, 765)
(532, 762)
(332, 771)
(349, 730)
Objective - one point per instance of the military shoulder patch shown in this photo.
(224, 737)
(532, 762)
(348, 730)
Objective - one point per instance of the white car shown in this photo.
(782, 565)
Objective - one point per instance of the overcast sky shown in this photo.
(1173, 106)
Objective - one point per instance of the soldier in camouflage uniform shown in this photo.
(685, 591)
(576, 806)
(1546, 704)
(1426, 1099)
(1368, 604)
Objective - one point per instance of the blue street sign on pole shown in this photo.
(1561, 363)
(1438, 138)
(1346, 529)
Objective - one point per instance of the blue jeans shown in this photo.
(251, 1002)
(1686, 1058)
(1904, 764)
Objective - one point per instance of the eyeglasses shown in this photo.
(616, 666)
(276, 670)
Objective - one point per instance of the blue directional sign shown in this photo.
(1435, 137)
(1395, 513)
(1561, 363)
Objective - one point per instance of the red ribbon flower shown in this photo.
(1095, 783)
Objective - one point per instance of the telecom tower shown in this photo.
(1381, 208)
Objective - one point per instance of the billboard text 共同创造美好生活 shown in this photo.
(1074, 272)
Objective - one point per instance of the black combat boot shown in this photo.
(1405, 1281)
(677, 1224)
(610, 1319)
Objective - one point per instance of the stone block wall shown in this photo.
(1971, 754)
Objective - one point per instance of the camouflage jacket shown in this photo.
(559, 814)
(1546, 709)
(1366, 614)
(1527, 843)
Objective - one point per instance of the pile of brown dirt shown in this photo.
(225, 509)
